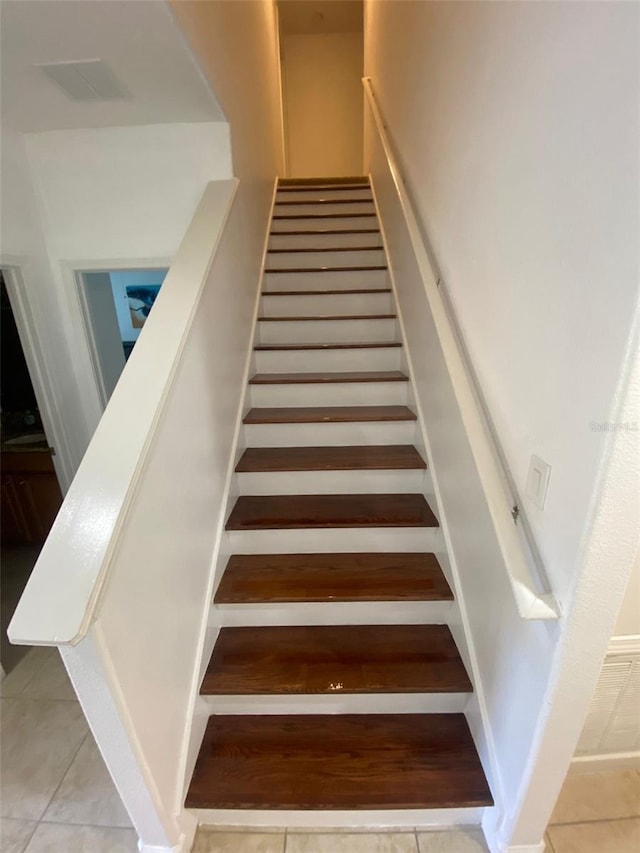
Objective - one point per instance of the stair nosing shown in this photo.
(323, 347)
(311, 249)
(413, 462)
(341, 565)
(326, 292)
(328, 377)
(325, 231)
(286, 520)
(328, 317)
(325, 216)
(411, 418)
(302, 270)
(301, 201)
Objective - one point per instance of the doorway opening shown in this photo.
(29, 488)
(322, 64)
(115, 306)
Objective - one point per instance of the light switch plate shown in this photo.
(538, 481)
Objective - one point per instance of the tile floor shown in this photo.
(57, 797)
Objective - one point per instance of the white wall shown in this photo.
(517, 128)
(104, 198)
(236, 44)
(323, 103)
(123, 192)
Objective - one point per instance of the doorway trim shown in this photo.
(75, 272)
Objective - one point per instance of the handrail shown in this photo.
(516, 544)
(62, 596)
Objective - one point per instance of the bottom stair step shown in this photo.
(338, 761)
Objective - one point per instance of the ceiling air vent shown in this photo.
(90, 80)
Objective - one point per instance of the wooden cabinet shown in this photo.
(30, 497)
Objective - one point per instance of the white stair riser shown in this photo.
(331, 394)
(334, 304)
(319, 360)
(336, 539)
(348, 280)
(323, 241)
(327, 331)
(390, 703)
(329, 207)
(425, 819)
(315, 193)
(331, 613)
(320, 223)
(352, 258)
(330, 435)
(331, 482)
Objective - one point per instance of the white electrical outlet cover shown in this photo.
(538, 481)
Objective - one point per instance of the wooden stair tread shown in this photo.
(298, 270)
(326, 292)
(307, 249)
(324, 378)
(297, 578)
(324, 215)
(314, 232)
(327, 414)
(299, 201)
(360, 345)
(320, 317)
(314, 659)
(330, 181)
(333, 458)
(295, 512)
(338, 761)
(326, 188)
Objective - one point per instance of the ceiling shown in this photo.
(139, 41)
(310, 17)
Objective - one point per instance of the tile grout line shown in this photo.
(415, 835)
(64, 776)
(286, 836)
(594, 820)
(36, 824)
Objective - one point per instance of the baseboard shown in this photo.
(609, 761)
(628, 644)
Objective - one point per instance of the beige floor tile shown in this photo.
(87, 794)
(14, 683)
(609, 836)
(547, 845)
(40, 739)
(58, 838)
(598, 796)
(383, 842)
(51, 682)
(238, 842)
(14, 834)
(456, 841)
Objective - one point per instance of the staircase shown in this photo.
(335, 682)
